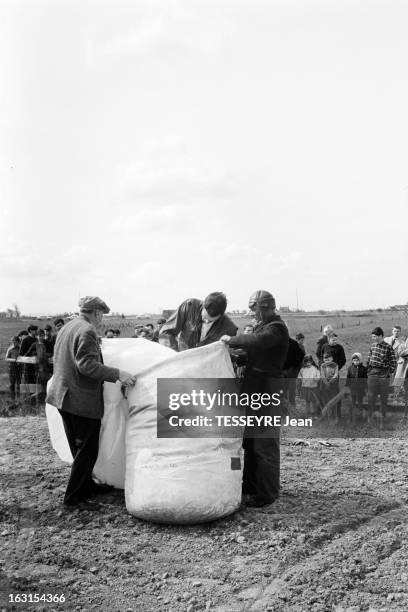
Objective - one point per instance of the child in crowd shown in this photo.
(329, 373)
(300, 339)
(310, 377)
(356, 381)
(14, 368)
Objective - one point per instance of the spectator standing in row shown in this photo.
(160, 323)
(309, 376)
(327, 330)
(291, 369)
(14, 367)
(300, 339)
(58, 324)
(49, 338)
(381, 363)
(29, 369)
(401, 373)
(43, 352)
(149, 329)
(335, 350)
(329, 375)
(49, 341)
(22, 334)
(395, 340)
(356, 381)
(137, 330)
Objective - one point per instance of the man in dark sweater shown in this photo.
(266, 348)
(333, 348)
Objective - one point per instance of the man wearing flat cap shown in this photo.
(266, 349)
(76, 389)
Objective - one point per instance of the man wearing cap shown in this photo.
(266, 348)
(58, 324)
(381, 363)
(76, 389)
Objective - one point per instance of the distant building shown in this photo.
(8, 314)
(284, 309)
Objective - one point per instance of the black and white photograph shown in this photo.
(203, 311)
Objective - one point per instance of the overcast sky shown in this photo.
(154, 151)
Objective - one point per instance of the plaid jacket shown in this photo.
(382, 356)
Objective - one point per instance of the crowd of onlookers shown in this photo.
(30, 355)
(314, 378)
(386, 368)
(30, 359)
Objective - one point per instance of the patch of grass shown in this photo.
(22, 407)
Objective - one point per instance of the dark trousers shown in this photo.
(378, 385)
(262, 446)
(327, 392)
(83, 439)
(262, 468)
(291, 390)
(15, 380)
(311, 397)
(30, 374)
(357, 398)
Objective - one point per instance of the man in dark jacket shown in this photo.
(291, 369)
(29, 369)
(324, 339)
(76, 390)
(335, 349)
(266, 348)
(356, 380)
(198, 323)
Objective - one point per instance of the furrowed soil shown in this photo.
(337, 540)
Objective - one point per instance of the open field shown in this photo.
(354, 330)
(336, 541)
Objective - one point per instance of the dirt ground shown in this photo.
(337, 540)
